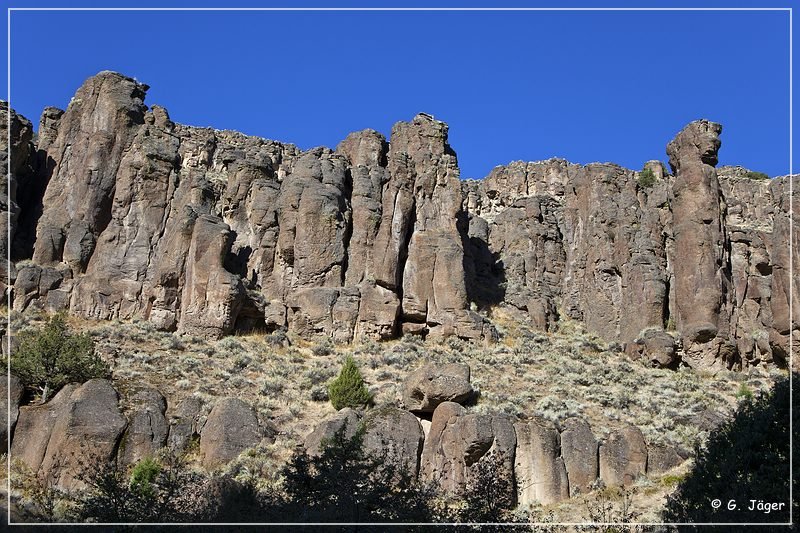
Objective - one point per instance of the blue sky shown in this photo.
(586, 86)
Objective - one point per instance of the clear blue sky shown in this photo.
(586, 86)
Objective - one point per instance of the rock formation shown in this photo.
(428, 386)
(231, 428)
(459, 441)
(81, 424)
(539, 468)
(127, 214)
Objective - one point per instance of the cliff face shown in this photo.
(207, 232)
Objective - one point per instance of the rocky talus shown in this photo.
(537, 460)
(116, 212)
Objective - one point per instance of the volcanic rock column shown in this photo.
(699, 237)
(93, 135)
(418, 247)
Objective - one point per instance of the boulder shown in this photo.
(623, 457)
(579, 451)
(460, 445)
(346, 418)
(147, 428)
(396, 435)
(231, 428)
(428, 386)
(656, 346)
(662, 458)
(10, 411)
(80, 425)
(539, 469)
(183, 423)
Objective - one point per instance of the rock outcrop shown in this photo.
(460, 443)
(80, 425)
(430, 385)
(232, 427)
(539, 467)
(700, 254)
(11, 392)
(147, 428)
(623, 457)
(579, 451)
(127, 214)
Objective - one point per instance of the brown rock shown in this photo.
(427, 387)
(346, 418)
(539, 468)
(579, 451)
(93, 135)
(662, 458)
(397, 434)
(147, 429)
(699, 234)
(35, 427)
(183, 425)
(10, 411)
(231, 428)
(81, 424)
(657, 346)
(623, 457)
(458, 444)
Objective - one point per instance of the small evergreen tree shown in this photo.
(48, 358)
(647, 178)
(349, 390)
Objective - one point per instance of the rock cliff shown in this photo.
(124, 214)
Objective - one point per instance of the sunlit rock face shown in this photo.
(123, 213)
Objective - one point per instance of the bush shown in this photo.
(349, 390)
(164, 490)
(744, 460)
(758, 176)
(647, 178)
(49, 358)
(144, 475)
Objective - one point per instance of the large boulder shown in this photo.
(428, 386)
(147, 427)
(623, 457)
(579, 451)
(539, 467)
(346, 420)
(35, 426)
(459, 445)
(662, 458)
(81, 425)
(231, 428)
(656, 346)
(395, 435)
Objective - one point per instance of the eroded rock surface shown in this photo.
(459, 443)
(80, 425)
(430, 385)
(126, 214)
(539, 467)
(231, 428)
(623, 457)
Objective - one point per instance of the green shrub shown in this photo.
(143, 475)
(647, 178)
(744, 392)
(758, 176)
(349, 390)
(48, 358)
